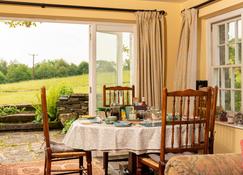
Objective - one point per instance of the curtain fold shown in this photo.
(186, 65)
(150, 57)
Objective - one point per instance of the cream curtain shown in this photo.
(150, 57)
(186, 65)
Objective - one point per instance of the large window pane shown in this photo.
(237, 78)
(239, 29)
(222, 55)
(221, 34)
(237, 101)
(231, 54)
(238, 47)
(227, 100)
(227, 78)
(231, 32)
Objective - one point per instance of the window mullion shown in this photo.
(232, 94)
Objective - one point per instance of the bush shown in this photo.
(67, 125)
(65, 90)
(10, 110)
(18, 72)
(52, 98)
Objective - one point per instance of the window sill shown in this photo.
(229, 125)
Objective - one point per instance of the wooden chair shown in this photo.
(189, 126)
(59, 152)
(212, 117)
(118, 94)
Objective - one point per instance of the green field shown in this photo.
(26, 92)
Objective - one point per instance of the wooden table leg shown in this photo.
(132, 163)
(89, 162)
(105, 162)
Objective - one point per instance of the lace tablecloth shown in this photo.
(103, 137)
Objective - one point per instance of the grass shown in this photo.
(26, 92)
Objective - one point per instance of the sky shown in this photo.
(47, 41)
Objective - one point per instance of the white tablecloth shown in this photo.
(102, 137)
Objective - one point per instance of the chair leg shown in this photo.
(48, 167)
(81, 165)
(210, 143)
(89, 162)
(45, 166)
(105, 162)
(139, 166)
(161, 168)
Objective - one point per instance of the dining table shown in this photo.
(137, 138)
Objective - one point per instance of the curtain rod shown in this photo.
(43, 5)
(200, 5)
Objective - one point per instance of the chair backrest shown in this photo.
(118, 94)
(188, 122)
(45, 117)
(214, 96)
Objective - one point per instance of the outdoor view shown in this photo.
(33, 54)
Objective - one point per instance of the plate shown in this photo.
(122, 124)
(88, 117)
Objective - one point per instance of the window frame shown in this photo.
(212, 49)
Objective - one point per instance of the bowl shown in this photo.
(112, 118)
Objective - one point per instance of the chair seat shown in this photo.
(60, 147)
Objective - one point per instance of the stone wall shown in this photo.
(75, 103)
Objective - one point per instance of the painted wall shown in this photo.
(227, 139)
(173, 18)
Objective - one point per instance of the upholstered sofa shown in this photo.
(214, 164)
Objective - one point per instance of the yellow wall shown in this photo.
(172, 18)
(227, 139)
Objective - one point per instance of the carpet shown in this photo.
(36, 167)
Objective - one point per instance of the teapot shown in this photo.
(115, 110)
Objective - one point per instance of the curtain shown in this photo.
(186, 65)
(150, 57)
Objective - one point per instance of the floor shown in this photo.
(24, 147)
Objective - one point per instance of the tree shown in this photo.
(126, 65)
(18, 72)
(73, 70)
(3, 67)
(83, 68)
(2, 78)
(14, 24)
(45, 69)
(105, 66)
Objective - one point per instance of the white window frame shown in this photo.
(209, 48)
(108, 27)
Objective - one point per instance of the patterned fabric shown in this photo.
(60, 147)
(137, 139)
(216, 164)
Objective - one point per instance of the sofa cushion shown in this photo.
(214, 164)
(156, 157)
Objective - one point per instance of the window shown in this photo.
(226, 61)
(111, 59)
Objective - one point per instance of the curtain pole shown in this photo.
(43, 5)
